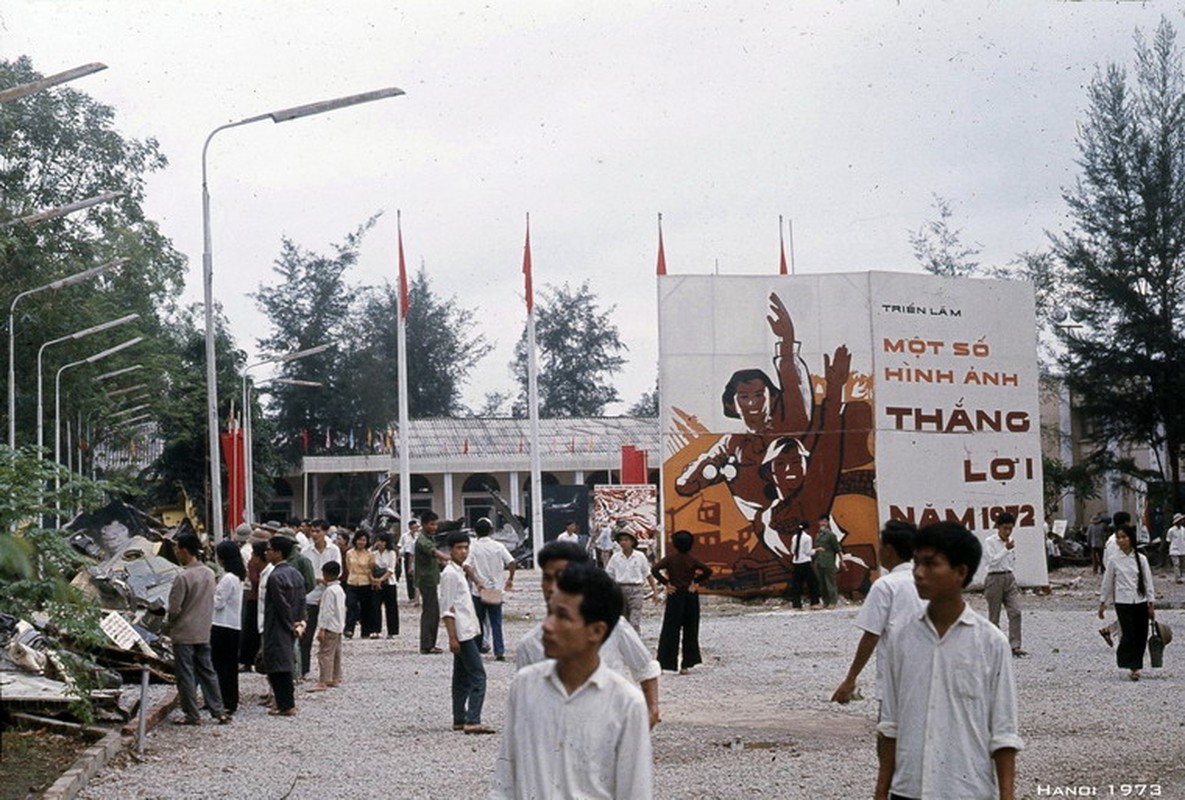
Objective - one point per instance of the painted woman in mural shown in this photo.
(767, 409)
(771, 412)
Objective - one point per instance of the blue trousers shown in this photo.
(469, 683)
(492, 614)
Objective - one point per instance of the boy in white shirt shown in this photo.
(331, 621)
(464, 639)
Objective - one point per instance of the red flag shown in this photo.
(782, 244)
(662, 256)
(403, 298)
(527, 270)
(304, 439)
(465, 447)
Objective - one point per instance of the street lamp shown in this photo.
(57, 410)
(15, 92)
(282, 115)
(127, 389)
(76, 335)
(118, 372)
(60, 283)
(248, 449)
(61, 211)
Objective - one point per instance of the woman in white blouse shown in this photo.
(228, 622)
(385, 593)
(1127, 584)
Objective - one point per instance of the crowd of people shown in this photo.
(585, 681)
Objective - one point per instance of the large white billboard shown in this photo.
(850, 398)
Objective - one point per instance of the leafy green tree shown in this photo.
(579, 353)
(647, 404)
(443, 347)
(939, 247)
(60, 146)
(1124, 254)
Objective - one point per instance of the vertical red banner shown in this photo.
(633, 465)
(236, 486)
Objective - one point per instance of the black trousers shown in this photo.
(359, 605)
(1133, 639)
(249, 635)
(283, 689)
(387, 603)
(224, 653)
(803, 573)
(680, 617)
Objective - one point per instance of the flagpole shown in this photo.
(533, 405)
(404, 433)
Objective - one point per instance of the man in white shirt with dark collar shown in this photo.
(949, 713)
(999, 585)
(574, 727)
(623, 652)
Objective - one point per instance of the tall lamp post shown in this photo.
(15, 92)
(283, 115)
(248, 449)
(57, 411)
(41, 351)
(60, 283)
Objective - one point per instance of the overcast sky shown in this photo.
(844, 117)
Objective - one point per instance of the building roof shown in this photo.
(456, 444)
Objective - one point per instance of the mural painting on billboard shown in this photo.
(798, 454)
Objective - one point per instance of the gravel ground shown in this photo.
(753, 721)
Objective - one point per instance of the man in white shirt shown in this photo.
(999, 585)
(570, 533)
(574, 727)
(407, 554)
(491, 568)
(464, 636)
(623, 651)
(319, 553)
(892, 601)
(949, 713)
(803, 554)
(1176, 539)
(631, 569)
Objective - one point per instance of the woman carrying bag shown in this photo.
(1127, 584)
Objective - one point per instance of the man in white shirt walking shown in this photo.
(574, 727)
(631, 569)
(949, 713)
(491, 568)
(999, 585)
(624, 652)
(1176, 539)
(570, 533)
(464, 637)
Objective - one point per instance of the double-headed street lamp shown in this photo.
(60, 283)
(282, 115)
(41, 351)
(248, 448)
(57, 410)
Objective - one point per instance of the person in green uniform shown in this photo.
(427, 572)
(828, 554)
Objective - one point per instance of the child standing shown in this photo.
(464, 639)
(331, 621)
(682, 572)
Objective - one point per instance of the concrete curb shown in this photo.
(98, 755)
(89, 762)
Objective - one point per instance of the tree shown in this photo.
(1124, 255)
(310, 305)
(647, 404)
(59, 146)
(443, 347)
(578, 355)
(939, 248)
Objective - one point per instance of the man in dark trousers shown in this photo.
(680, 572)
(283, 622)
(191, 612)
(428, 563)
